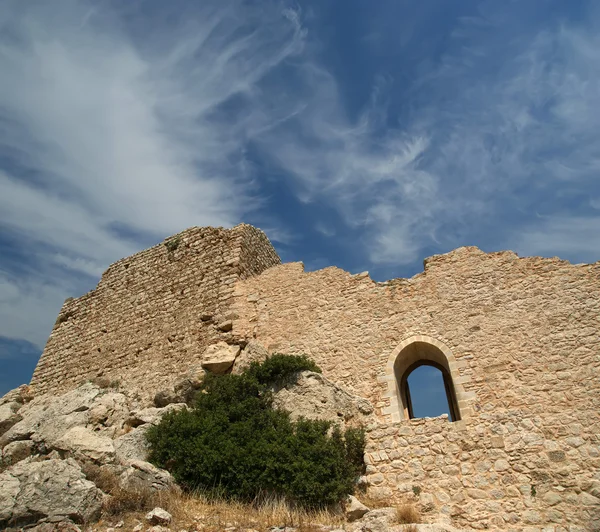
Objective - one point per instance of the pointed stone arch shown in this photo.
(407, 356)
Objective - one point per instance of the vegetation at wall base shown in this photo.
(234, 444)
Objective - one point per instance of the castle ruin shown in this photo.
(516, 339)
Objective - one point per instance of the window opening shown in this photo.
(414, 356)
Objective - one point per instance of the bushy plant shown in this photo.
(233, 443)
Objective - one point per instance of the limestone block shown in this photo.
(132, 446)
(141, 475)
(153, 415)
(354, 509)
(9, 415)
(218, 358)
(84, 443)
(253, 352)
(16, 451)
(158, 516)
(30, 491)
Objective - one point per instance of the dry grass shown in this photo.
(410, 528)
(199, 512)
(407, 514)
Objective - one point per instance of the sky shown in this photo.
(366, 135)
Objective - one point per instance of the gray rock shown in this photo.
(132, 446)
(218, 358)
(158, 516)
(315, 397)
(47, 418)
(16, 451)
(9, 415)
(153, 415)
(142, 475)
(109, 410)
(54, 526)
(253, 352)
(83, 443)
(355, 509)
(57, 489)
(378, 520)
(18, 395)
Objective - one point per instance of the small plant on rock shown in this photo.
(172, 244)
(234, 444)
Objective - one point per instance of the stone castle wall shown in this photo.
(520, 337)
(524, 342)
(153, 314)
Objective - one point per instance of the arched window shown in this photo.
(413, 356)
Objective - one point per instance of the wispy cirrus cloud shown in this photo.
(412, 134)
(502, 140)
(114, 134)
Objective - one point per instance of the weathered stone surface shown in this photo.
(143, 475)
(253, 352)
(21, 394)
(152, 415)
(315, 397)
(354, 509)
(379, 520)
(158, 516)
(47, 418)
(132, 446)
(109, 410)
(9, 415)
(16, 451)
(30, 491)
(218, 358)
(83, 443)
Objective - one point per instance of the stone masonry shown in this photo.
(153, 314)
(518, 337)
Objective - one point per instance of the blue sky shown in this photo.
(366, 135)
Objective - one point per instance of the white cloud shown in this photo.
(507, 122)
(107, 132)
(576, 237)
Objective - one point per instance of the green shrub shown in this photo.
(233, 443)
(281, 369)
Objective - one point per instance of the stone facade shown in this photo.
(518, 337)
(153, 314)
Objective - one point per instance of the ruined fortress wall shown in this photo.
(152, 314)
(524, 337)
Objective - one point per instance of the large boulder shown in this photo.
(152, 415)
(83, 443)
(354, 509)
(109, 412)
(47, 418)
(21, 395)
(132, 446)
(253, 352)
(31, 491)
(218, 358)
(313, 396)
(9, 415)
(16, 451)
(140, 475)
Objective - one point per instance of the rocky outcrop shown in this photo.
(84, 444)
(31, 491)
(253, 352)
(354, 509)
(58, 452)
(141, 475)
(218, 358)
(54, 442)
(313, 396)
